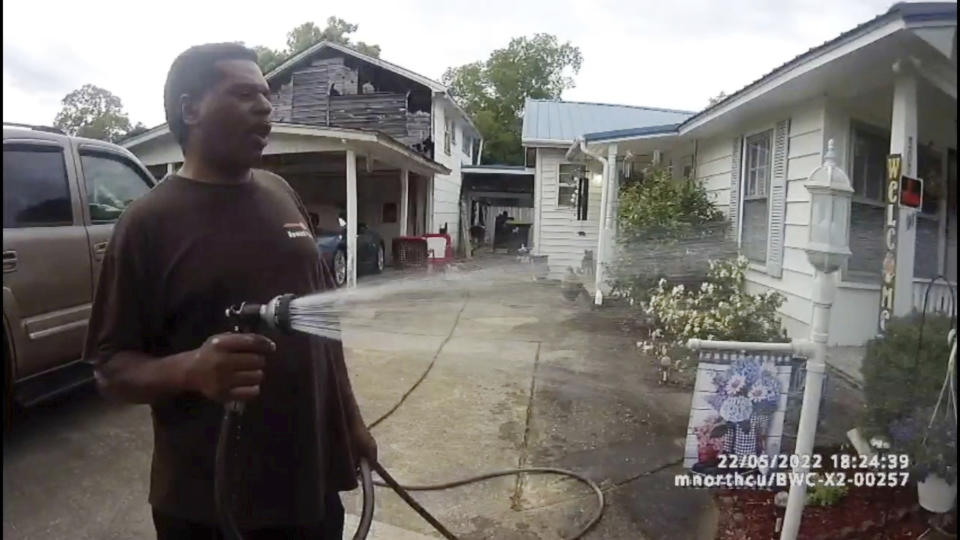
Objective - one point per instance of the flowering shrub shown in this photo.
(903, 374)
(719, 309)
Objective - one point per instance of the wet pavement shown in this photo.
(518, 377)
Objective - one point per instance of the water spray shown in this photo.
(319, 314)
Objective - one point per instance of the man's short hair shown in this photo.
(194, 72)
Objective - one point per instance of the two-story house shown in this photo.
(361, 136)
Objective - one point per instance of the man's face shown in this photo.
(232, 120)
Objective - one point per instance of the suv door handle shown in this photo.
(99, 250)
(9, 261)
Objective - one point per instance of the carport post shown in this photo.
(351, 218)
(404, 199)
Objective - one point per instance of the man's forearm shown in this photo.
(135, 377)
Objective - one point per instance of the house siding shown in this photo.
(714, 167)
(446, 187)
(557, 229)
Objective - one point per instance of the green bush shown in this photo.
(903, 373)
(667, 228)
(823, 494)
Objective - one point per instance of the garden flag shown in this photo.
(739, 404)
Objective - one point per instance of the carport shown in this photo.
(491, 189)
(376, 180)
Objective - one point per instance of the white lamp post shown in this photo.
(828, 246)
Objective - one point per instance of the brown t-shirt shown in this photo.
(178, 258)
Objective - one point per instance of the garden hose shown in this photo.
(248, 317)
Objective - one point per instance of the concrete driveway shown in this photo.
(519, 378)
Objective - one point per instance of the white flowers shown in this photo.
(735, 384)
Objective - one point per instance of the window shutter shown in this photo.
(734, 213)
(778, 199)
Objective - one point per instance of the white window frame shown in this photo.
(564, 207)
(856, 279)
(771, 129)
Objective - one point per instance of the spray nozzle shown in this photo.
(250, 316)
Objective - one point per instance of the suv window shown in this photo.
(112, 184)
(35, 188)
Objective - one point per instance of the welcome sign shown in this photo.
(889, 271)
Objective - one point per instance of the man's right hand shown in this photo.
(229, 367)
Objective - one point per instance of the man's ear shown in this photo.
(189, 110)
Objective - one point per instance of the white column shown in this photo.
(351, 218)
(824, 291)
(404, 200)
(606, 194)
(428, 183)
(421, 205)
(903, 141)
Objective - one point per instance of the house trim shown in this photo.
(344, 134)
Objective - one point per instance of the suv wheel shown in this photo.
(340, 267)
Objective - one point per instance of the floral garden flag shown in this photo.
(739, 403)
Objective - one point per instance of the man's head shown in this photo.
(217, 104)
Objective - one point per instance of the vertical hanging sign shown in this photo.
(891, 215)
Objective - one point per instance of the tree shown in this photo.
(306, 35)
(137, 129)
(493, 91)
(93, 112)
(717, 99)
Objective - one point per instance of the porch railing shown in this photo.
(940, 299)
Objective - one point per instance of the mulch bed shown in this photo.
(865, 513)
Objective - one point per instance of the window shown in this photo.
(757, 171)
(35, 188)
(453, 132)
(446, 138)
(467, 145)
(112, 184)
(870, 149)
(868, 168)
(574, 189)
(530, 157)
(158, 171)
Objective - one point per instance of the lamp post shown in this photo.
(828, 246)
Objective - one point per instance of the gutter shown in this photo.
(604, 202)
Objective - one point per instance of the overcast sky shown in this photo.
(672, 54)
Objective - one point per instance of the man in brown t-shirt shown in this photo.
(215, 234)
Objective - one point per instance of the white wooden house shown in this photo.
(346, 123)
(888, 86)
(567, 199)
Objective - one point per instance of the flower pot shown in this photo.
(935, 494)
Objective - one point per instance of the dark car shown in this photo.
(333, 250)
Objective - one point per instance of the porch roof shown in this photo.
(558, 123)
(158, 146)
(836, 61)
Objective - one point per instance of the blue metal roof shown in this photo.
(667, 129)
(563, 121)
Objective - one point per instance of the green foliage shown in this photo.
(668, 228)
(661, 208)
(903, 374)
(306, 35)
(720, 309)
(93, 112)
(823, 494)
(493, 91)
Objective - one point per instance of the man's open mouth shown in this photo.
(261, 132)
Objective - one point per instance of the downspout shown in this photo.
(480, 152)
(601, 234)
